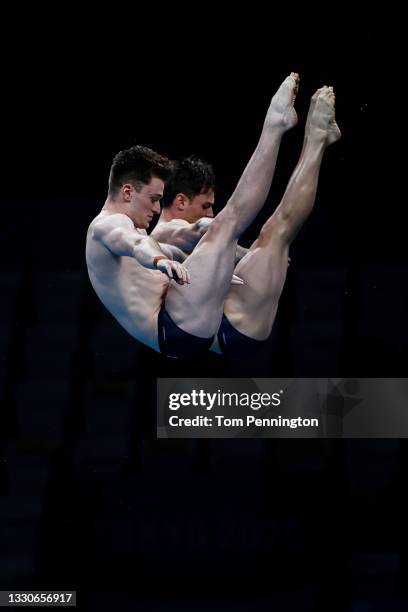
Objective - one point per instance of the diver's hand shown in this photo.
(172, 269)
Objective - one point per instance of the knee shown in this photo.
(225, 226)
(272, 231)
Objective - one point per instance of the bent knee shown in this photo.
(274, 232)
(224, 225)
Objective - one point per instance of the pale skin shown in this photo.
(184, 234)
(251, 308)
(121, 260)
(185, 222)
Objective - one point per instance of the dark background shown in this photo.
(89, 499)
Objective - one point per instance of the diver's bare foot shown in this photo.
(281, 111)
(321, 117)
(312, 105)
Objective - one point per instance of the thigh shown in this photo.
(197, 308)
(251, 307)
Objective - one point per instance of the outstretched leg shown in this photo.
(251, 308)
(197, 308)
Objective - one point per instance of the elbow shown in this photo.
(203, 224)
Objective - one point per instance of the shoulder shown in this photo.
(105, 222)
(177, 222)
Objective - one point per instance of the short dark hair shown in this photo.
(191, 176)
(137, 165)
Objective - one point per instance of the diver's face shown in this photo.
(199, 206)
(144, 203)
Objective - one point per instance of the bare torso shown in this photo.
(132, 293)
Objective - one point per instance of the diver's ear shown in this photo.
(181, 201)
(127, 190)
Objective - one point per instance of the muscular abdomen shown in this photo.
(132, 294)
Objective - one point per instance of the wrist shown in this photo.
(157, 259)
